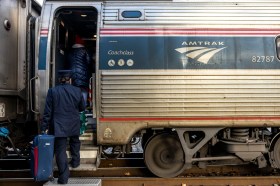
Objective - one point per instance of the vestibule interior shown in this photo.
(70, 22)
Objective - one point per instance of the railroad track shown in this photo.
(201, 181)
(132, 172)
(135, 167)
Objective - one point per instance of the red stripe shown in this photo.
(190, 119)
(44, 32)
(36, 154)
(189, 29)
(133, 31)
(186, 33)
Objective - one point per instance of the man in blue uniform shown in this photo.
(61, 118)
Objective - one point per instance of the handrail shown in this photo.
(93, 99)
(31, 95)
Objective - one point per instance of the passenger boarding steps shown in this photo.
(89, 150)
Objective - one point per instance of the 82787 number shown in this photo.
(262, 59)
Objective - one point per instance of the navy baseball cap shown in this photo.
(64, 74)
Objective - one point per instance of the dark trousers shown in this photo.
(60, 147)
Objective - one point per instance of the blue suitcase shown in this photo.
(42, 157)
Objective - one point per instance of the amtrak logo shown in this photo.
(201, 54)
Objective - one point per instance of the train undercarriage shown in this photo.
(168, 152)
(15, 137)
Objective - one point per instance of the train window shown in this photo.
(278, 47)
(131, 15)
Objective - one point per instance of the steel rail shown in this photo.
(201, 181)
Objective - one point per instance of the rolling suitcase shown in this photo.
(42, 157)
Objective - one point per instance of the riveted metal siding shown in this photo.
(190, 93)
(197, 13)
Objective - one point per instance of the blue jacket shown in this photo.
(79, 62)
(61, 114)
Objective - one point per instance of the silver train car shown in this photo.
(197, 81)
(17, 32)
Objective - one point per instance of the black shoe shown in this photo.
(61, 183)
(74, 165)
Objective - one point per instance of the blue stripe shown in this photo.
(42, 53)
(123, 53)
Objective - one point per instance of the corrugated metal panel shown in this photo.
(198, 13)
(190, 93)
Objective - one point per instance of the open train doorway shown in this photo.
(74, 28)
(74, 34)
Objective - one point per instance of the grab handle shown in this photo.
(31, 94)
(92, 92)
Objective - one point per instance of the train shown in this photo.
(197, 81)
(17, 30)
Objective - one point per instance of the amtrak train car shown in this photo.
(17, 49)
(198, 81)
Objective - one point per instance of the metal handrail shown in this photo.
(31, 95)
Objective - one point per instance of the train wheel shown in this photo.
(146, 137)
(164, 155)
(275, 155)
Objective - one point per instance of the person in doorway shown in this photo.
(62, 119)
(79, 60)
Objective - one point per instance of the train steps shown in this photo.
(89, 150)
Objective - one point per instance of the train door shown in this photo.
(59, 26)
(76, 29)
(69, 24)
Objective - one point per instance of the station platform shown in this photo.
(76, 182)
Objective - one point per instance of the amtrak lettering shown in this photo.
(203, 43)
